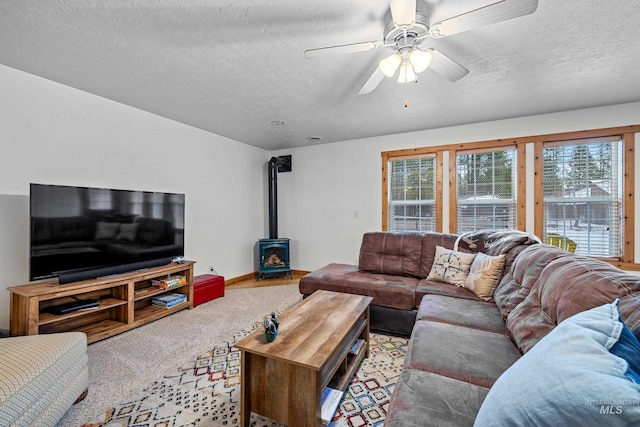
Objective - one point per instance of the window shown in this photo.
(574, 189)
(582, 195)
(411, 194)
(486, 190)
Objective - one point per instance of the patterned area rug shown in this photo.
(207, 391)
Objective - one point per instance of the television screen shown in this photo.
(79, 228)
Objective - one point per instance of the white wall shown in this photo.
(329, 182)
(50, 133)
(53, 134)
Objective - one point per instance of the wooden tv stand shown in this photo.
(124, 303)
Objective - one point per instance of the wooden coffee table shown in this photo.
(283, 380)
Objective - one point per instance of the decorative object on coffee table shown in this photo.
(274, 319)
(271, 324)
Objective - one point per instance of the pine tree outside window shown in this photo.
(411, 194)
(486, 190)
(582, 190)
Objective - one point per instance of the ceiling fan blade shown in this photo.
(341, 49)
(445, 66)
(490, 14)
(373, 82)
(403, 12)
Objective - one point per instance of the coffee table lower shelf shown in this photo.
(343, 378)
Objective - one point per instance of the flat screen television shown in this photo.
(78, 233)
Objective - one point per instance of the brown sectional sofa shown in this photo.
(460, 344)
(393, 269)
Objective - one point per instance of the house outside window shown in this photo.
(486, 190)
(583, 188)
(411, 194)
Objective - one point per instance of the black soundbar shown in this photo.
(78, 276)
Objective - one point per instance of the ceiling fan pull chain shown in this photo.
(406, 96)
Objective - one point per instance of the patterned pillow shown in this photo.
(450, 266)
(484, 275)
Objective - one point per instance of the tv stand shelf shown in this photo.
(124, 303)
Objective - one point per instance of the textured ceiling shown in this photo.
(233, 66)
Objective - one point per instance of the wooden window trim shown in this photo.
(628, 191)
(385, 184)
(628, 141)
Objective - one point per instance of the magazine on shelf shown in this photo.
(330, 400)
(355, 348)
(170, 305)
(168, 300)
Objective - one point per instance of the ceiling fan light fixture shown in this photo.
(406, 74)
(390, 64)
(420, 60)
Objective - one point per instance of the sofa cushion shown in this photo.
(566, 286)
(484, 275)
(450, 266)
(386, 290)
(432, 287)
(466, 354)
(523, 274)
(505, 242)
(462, 312)
(65, 229)
(569, 378)
(391, 253)
(429, 243)
(425, 399)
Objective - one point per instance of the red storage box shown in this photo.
(207, 287)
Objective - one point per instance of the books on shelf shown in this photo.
(170, 282)
(330, 400)
(168, 300)
(355, 348)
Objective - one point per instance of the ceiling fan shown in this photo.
(409, 28)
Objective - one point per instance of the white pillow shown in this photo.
(484, 275)
(450, 266)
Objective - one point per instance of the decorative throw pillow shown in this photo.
(484, 275)
(570, 377)
(107, 230)
(450, 266)
(128, 232)
(628, 348)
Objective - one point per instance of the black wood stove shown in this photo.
(274, 252)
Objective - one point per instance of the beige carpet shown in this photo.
(121, 366)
